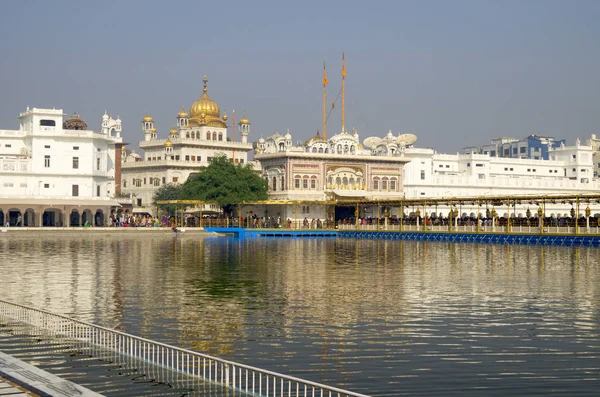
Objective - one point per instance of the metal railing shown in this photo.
(240, 377)
(514, 229)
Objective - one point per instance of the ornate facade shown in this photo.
(195, 139)
(339, 168)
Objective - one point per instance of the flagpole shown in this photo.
(324, 102)
(343, 94)
(233, 135)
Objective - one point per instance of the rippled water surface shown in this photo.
(384, 318)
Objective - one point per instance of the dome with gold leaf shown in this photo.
(147, 118)
(168, 143)
(173, 131)
(182, 113)
(205, 111)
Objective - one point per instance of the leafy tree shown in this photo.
(170, 191)
(225, 183)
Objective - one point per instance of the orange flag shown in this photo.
(325, 82)
(343, 66)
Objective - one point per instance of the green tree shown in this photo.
(170, 191)
(225, 183)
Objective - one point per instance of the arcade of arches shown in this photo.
(53, 216)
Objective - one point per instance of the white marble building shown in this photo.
(55, 173)
(196, 138)
(341, 168)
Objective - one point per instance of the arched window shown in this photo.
(313, 182)
(393, 184)
(305, 182)
(187, 134)
(314, 150)
(320, 150)
(214, 136)
(124, 183)
(346, 149)
(339, 148)
(345, 181)
(208, 135)
(297, 182)
(352, 185)
(274, 183)
(376, 183)
(220, 136)
(338, 182)
(384, 184)
(352, 149)
(281, 147)
(282, 183)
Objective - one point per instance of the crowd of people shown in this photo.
(133, 220)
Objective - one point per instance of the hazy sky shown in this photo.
(455, 73)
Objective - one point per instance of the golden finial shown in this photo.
(205, 80)
(224, 116)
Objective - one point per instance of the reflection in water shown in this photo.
(378, 317)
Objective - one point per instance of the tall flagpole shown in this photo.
(324, 102)
(343, 94)
(233, 135)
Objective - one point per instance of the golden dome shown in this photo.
(153, 129)
(315, 139)
(205, 105)
(147, 118)
(168, 143)
(123, 149)
(225, 117)
(173, 131)
(205, 111)
(244, 120)
(182, 113)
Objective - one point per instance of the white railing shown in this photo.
(514, 229)
(244, 378)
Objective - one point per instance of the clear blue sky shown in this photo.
(455, 73)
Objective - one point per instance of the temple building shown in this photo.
(339, 168)
(196, 138)
(56, 173)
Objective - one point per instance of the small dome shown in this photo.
(173, 131)
(153, 129)
(147, 118)
(244, 120)
(225, 117)
(123, 149)
(75, 123)
(315, 139)
(182, 113)
(168, 143)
